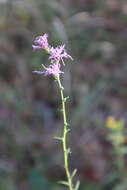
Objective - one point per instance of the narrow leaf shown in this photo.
(63, 183)
(68, 130)
(58, 138)
(65, 99)
(74, 173)
(69, 151)
(68, 125)
(77, 185)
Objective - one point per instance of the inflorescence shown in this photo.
(56, 55)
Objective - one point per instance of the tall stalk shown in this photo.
(66, 150)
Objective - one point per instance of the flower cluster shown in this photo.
(41, 42)
(53, 69)
(56, 55)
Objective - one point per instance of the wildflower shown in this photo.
(114, 123)
(59, 53)
(41, 42)
(53, 69)
(110, 121)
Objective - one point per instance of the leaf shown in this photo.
(69, 151)
(63, 183)
(77, 185)
(58, 138)
(74, 173)
(66, 98)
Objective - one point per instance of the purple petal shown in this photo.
(35, 47)
(38, 72)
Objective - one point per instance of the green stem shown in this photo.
(66, 150)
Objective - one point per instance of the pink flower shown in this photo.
(58, 53)
(53, 69)
(41, 42)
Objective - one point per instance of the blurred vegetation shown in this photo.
(95, 33)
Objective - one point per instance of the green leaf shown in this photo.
(77, 185)
(68, 130)
(73, 173)
(69, 151)
(63, 183)
(66, 98)
(58, 138)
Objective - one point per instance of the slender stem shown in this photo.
(66, 150)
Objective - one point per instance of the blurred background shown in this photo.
(95, 34)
